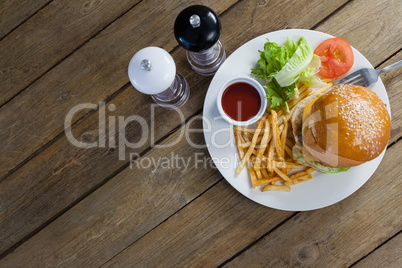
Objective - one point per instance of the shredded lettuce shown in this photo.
(298, 156)
(282, 67)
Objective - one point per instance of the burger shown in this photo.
(344, 127)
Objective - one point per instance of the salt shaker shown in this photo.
(152, 71)
(197, 29)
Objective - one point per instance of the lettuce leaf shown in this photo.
(297, 64)
(282, 67)
(309, 75)
(298, 156)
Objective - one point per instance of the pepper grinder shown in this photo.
(152, 71)
(197, 29)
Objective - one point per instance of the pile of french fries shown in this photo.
(267, 149)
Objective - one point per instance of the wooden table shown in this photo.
(61, 205)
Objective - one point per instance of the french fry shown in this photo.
(303, 95)
(287, 165)
(327, 80)
(281, 174)
(275, 134)
(258, 141)
(289, 143)
(244, 144)
(276, 180)
(284, 134)
(262, 147)
(244, 140)
(270, 156)
(252, 175)
(302, 178)
(276, 188)
(302, 88)
(299, 180)
(289, 152)
(251, 162)
(301, 173)
(258, 173)
(264, 173)
(248, 130)
(238, 142)
(280, 128)
(266, 181)
(248, 139)
(244, 129)
(252, 145)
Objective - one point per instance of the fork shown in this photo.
(366, 76)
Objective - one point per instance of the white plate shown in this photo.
(324, 189)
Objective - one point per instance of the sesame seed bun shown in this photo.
(347, 126)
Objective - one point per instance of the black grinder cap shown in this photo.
(197, 28)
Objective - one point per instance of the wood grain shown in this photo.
(205, 239)
(90, 75)
(352, 228)
(13, 13)
(122, 210)
(49, 36)
(370, 21)
(393, 84)
(71, 172)
(388, 255)
(204, 234)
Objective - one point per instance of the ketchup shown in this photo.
(241, 101)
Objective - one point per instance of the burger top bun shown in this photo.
(345, 127)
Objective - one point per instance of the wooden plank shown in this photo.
(204, 234)
(393, 83)
(88, 161)
(124, 209)
(195, 237)
(388, 255)
(13, 13)
(351, 228)
(91, 74)
(355, 27)
(79, 170)
(49, 36)
(71, 172)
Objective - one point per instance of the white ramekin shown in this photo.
(260, 90)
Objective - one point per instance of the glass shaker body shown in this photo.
(208, 61)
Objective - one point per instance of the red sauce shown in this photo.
(241, 101)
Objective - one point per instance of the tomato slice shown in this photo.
(336, 56)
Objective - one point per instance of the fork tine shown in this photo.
(350, 79)
(357, 81)
(364, 84)
(351, 75)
